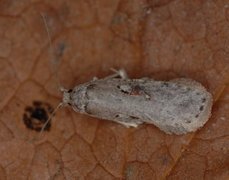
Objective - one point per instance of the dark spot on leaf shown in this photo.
(40, 114)
(35, 116)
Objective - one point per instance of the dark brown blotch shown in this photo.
(35, 116)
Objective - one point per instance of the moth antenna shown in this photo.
(54, 69)
(54, 59)
(50, 118)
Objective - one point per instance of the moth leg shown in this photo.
(127, 121)
(118, 73)
(128, 124)
(121, 73)
(95, 78)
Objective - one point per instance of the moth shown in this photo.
(178, 106)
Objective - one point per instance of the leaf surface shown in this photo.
(158, 39)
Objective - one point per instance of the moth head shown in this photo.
(66, 96)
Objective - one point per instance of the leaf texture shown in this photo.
(160, 39)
